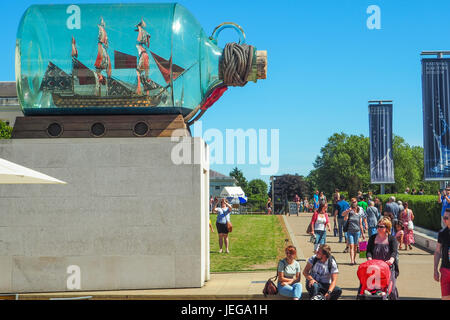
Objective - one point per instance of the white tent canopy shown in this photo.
(232, 192)
(11, 173)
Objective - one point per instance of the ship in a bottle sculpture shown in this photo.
(125, 59)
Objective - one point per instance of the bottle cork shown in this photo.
(261, 64)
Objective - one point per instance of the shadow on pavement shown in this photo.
(415, 298)
(404, 253)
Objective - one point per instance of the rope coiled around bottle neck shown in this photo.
(236, 64)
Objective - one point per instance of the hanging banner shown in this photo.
(435, 101)
(381, 156)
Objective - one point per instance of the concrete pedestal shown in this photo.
(129, 217)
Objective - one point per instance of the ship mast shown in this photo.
(143, 66)
(103, 61)
(74, 55)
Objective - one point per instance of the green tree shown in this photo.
(257, 186)
(240, 178)
(344, 163)
(257, 196)
(288, 185)
(5, 131)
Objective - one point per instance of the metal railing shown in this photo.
(9, 102)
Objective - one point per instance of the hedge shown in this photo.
(427, 211)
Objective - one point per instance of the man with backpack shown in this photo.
(341, 207)
(321, 274)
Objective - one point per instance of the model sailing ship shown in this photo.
(97, 88)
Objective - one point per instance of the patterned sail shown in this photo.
(124, 61)
(56, 80)
(143, 36)
(74, 48)
(84, 74)
(165, 66)
(143, 66)
(102, 62)
(102, 35)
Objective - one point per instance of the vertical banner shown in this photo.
(381, 156)
(435, 101)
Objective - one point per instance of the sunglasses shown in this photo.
(381, 227)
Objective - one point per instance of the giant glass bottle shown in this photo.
(117, 59)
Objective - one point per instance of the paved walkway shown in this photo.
(415, 280)
(222, 286)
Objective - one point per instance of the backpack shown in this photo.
(330, 262)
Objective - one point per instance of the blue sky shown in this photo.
(324, 64)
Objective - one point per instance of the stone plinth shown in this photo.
(129, 217)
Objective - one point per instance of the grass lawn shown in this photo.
(257, 242)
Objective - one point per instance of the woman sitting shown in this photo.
(289, 275)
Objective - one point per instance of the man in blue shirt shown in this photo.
(341, 206)
(316, 200)
(445, 200)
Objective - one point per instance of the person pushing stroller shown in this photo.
(383, 246)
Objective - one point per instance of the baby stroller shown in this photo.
(375, 280)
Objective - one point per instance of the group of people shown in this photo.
(352, 221)
(321, 270)
(303, 205)
(388, 229)
(321, 273)
(421, 192)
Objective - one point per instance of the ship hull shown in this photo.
(79, 101)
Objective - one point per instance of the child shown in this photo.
(399, 235)
(306, 205)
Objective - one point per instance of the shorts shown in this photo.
(353, 237)
(445, 282)
(221, 228)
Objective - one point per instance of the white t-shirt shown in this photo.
(320, 224)
(320, 271)
(289, 270)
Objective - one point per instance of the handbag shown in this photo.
(362, 249)
(229, 226)
(345, 228)
(270, 287)
(309, 229)
(410, 223)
